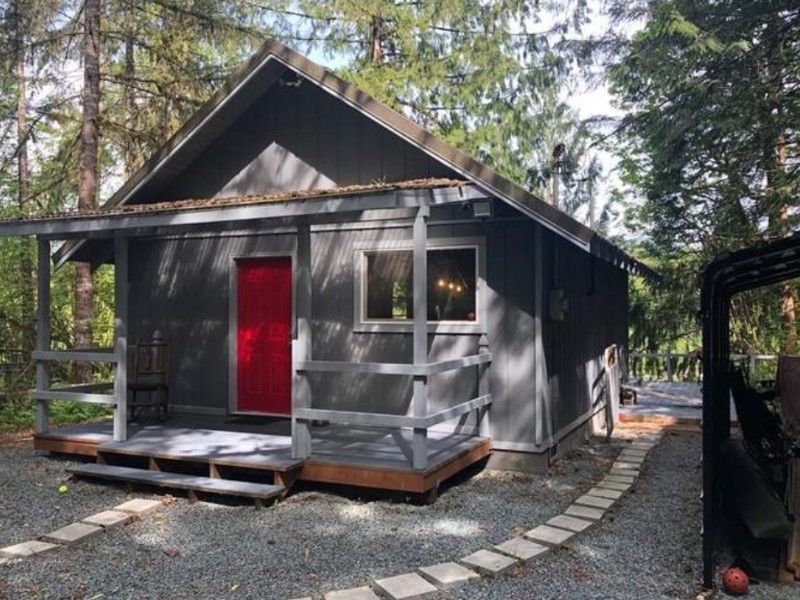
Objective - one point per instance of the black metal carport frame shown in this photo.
(728, 275)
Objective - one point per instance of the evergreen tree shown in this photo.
(712, 91)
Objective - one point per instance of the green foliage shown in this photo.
(712, 149)
(488, 77)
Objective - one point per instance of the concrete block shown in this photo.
(640, 452)
(629, 479)
(613, 485)
(448, 575)
(643, 445)
(521, 549)
(620, 464)
(360, 593)
(406, 587)
(139, 506)
(631, 458)
(595, 501)
(108, 519)
(624, 472)
(549, 535)
(569, 523)
(604, 493)
(72, 534)
(488, 562)
(585, 512)
(26, 549)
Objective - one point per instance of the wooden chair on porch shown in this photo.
(151, 376)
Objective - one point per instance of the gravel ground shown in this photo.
(314, 541)
(30, 504)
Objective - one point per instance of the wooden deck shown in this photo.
(222, 447)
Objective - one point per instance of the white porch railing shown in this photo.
(419, 423)
(420, 420)
(44, 355)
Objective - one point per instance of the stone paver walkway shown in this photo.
(576, 519)
(79, 531)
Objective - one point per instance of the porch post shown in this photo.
(484, 425)
(301, 348)
(420, 399)
(121, 337)
(43, 333)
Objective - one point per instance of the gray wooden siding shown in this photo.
(597, 316)
(181, 286)
(296, 138)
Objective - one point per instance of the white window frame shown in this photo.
(364, 325)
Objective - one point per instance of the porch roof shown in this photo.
(307, 204)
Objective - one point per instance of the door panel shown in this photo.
(264, 315)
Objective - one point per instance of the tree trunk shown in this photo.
(87, 186)
(376, 34)
(131, 154)
(27, 295)
(788, 291)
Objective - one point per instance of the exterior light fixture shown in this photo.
(482, 209)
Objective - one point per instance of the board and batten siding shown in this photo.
(297, 138)
(596, 317)
(182, 287)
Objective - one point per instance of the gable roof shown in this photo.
(266, 67)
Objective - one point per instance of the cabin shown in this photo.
(345, 299)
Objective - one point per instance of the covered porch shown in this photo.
(372, 449)
(369, 457)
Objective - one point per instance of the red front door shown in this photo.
(264, 316)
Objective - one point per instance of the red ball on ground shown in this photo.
(735, 581)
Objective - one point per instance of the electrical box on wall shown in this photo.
(559, 304)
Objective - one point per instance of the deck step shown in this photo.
(225, 487)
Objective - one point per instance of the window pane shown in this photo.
(452, 285)
(389, 294)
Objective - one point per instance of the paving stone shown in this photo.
(359, 593)
(613, 485)
(585, 512)
(549, 535)
(629, 479)
(521, 549)
(642, 445)
(139, 506)
(634, 452)
(406, 587)
(620, 464)
(108, 518)
(631, 458)
(72, 533)
(595, 501)
(28, 549)
(448, 575)
(603, 493)
(488, 562)
(624, 472)
(303, 598)
(569, 523)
